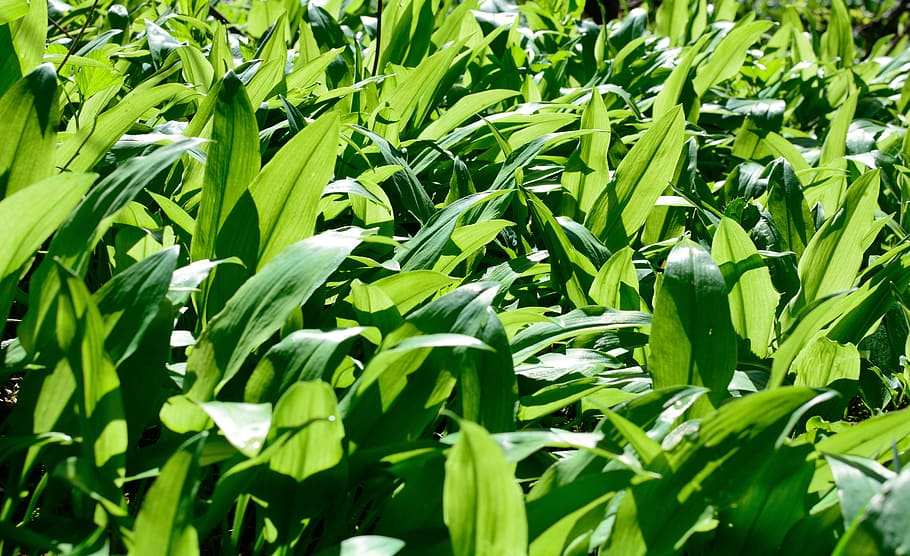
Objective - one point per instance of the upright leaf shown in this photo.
(641, 177)
(29, 114)
(483, 506)
(752, 297)
(692, 338)
(256, 311)
(231, 164)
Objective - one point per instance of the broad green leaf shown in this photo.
(640, 179)
(582, 184)
(273, 52)
(130, 301)
(788, 208)
(407, 290)
(29, 36)
(29, 217)
(729, 54)
(773, 501)
(80, 333)
(456, 342)
(857, 480)
(245, 425)
(12, 9)
(287, 191)
(835, 253)
(466, 107)
(837, 40)
(164, 524)
(711, 466)
(824, 361)
(304, 355)
(752, 297)
(882, 528)
(585, 320)
(467, 241)
(81, 232)
(426, 247)
(255, 312)
(692, 338)
(678, 81)
(29, 114)
(483, 506)
(830, 182)
(231, 164)
(672, 18)
(309, 409)
(616, 283)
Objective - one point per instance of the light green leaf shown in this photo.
(245, 425)
(165, 521)
(752, 297)
(483, 506)
(29, 114)
(232, 163)
(835, 253)
(582, 184)
(461, 111)
(616, 283)
(640, 179)
(12, 9)
(729, 54)
(287, 191)
(824, 361)
(81, 151)
(256, 311)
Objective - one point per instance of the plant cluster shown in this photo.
(477, 278)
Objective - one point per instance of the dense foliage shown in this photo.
(485, 279)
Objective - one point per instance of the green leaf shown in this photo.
(80, 332)
(255, 312)
(29, 217)
(882, 528)
(366, 545)
(245, 425)
(29, 115)
(752, 297)
(729, 54)
(231, 164)
(857, 480)
(130, 301)
(835, 253)
(582, 185)
(641, 177)
(461, 111)
(713, 465)
(616, 283)
(788, 208)
(164, 524)
(287, 191)
(12, 9)
(837, 40)
(571, 270)
(304, 355)
(585, 320)
(483, 506)
(85, 148)
(84, 228)
(692, 338)
(824, 361)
